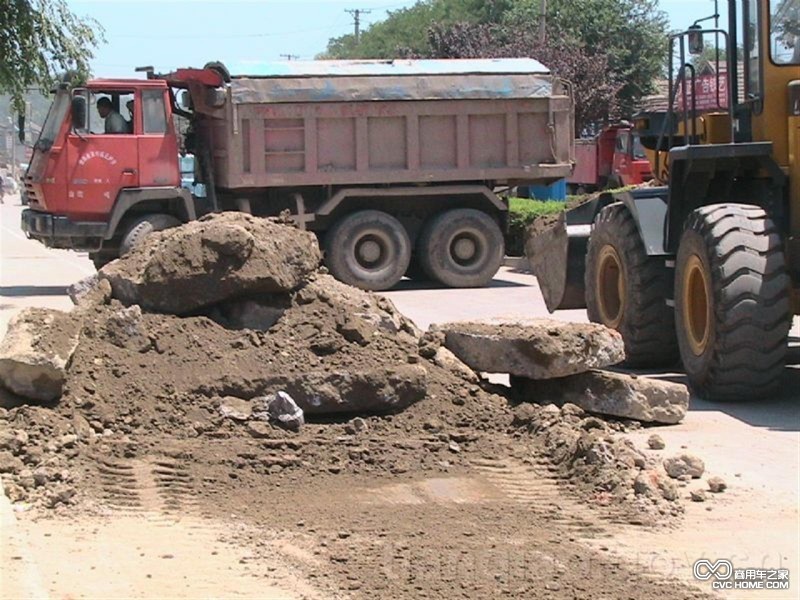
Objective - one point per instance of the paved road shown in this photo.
(754, 446)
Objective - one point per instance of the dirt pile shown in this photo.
(207, 261)
(379, 398)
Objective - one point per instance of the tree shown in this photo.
(595, 89)
(632, 34)
(40, 39)
(405, 31)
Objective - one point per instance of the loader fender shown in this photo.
(648, 207)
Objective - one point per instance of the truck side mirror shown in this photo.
(21, 128)
(79, 113)
(696, 45)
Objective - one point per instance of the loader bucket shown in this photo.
(557, 257)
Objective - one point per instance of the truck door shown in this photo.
(621, 165)
(158, 143)
(99, 164)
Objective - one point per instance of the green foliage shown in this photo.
(630, 33)
(405, 31)
(40, 39)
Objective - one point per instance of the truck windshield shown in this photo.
(784, 27)
(55, 117)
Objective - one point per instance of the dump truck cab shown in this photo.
(704, 268)
(90, 176)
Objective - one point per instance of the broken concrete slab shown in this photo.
(213, 259)
(613, 394)
(36, 350)
(90, 291)
(536, 349)
(368, 391)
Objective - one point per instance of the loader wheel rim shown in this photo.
(610, 287)
(697, 308)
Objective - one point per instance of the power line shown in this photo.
(357, 12)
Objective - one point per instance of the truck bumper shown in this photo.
(55, 231)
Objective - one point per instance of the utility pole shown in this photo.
(543, 22)
(290, 56)
(357, 12)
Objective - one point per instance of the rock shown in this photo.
(684, 464)
(356, 426)
(454, 447)
(210, 260)
(36, 351)
(9, 463)
(447, 360)
(653, 483)
(524, 414)
(717, 485)
(283, 410)
(251, 314)
(260, 429)
(379, 390)
(656, 442)
(697, 495)
(235, 408)
(125, 329)
(356, 330)
(90, 291)
(536, 349)
(614, 394)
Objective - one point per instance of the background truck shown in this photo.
(388, 161)
(615, 158)
(707, 266)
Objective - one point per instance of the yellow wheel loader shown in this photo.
(704, 267)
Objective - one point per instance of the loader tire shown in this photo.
(627, 290)
(732, 303)
(461, 248)
(144, 226)
(369, 249)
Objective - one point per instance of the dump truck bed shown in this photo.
(384, 122)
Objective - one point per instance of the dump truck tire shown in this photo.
(461, 248)
(144, 226)
(732, 305)
(102, 258)
(369, 249)
(627, 290)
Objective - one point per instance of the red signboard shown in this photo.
(710, 93)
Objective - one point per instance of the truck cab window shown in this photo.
(155, 117)
(110, 112)
(784, 28)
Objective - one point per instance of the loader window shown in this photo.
(752, 46)
(784, 28)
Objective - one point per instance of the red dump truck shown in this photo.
(613, 159)
(388, 161)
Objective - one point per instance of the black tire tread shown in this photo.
(752, 307)
(647, 327)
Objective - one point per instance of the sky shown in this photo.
(168, 34)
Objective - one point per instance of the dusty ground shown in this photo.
(487, 520)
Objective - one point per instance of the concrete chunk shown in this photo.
(36, 351)
(613, 394)
(536, 349)
(216, 258)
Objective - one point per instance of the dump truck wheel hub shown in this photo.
(370, 251)
(697, 317)
(610, 287)
(464, 249)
